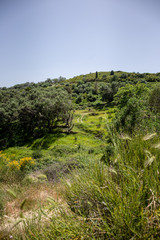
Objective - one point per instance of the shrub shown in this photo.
(14, 164)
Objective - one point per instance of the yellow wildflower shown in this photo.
(26, 161)
(14, 165)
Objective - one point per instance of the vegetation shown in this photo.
(32, 112)
(79, 158)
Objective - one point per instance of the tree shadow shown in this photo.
(46, 141)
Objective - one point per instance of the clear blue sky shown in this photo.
(42, 39)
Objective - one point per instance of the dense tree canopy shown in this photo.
(31, 110)
(31, 113)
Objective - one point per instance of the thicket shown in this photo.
(138, 108)
(98, 89)
(32, 112)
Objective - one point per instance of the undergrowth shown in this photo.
(115, 199)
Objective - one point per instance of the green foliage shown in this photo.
(37, 153)
(112, 72)
(132, 102)
(129, 91)
(117, 200)
(108, 91)
(110, 180)
(130, 116)
(32, 113)
(154, 99)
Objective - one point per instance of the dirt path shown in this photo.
(80, 119)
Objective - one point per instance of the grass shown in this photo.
(119, 200)
(60, 147)
(88, 134)
(115, 200)
(100, 187)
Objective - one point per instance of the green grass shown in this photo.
(57, 155)
(92, 121)
(117, 200)
(115, 197)
(88, 134)
(19, 151)
(87, 139)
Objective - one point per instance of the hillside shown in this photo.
(79, 158)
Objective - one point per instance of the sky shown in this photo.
(42, 39)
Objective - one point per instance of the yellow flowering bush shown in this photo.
(26, 161)
(14, 164)
(3, 158)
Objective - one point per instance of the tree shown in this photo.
(96, 75)
(129, 116)
(46, 110)
(131, 101)
(106, 92)
(112, 72)
(125, 93)
(32, 112)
